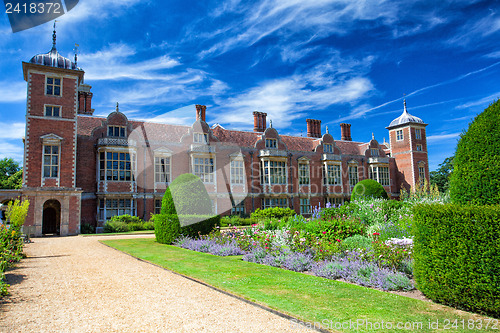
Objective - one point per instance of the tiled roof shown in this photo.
(173, 133)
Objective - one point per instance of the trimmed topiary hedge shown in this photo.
(476, 166)
(457, 255)
(168, 226)
(186, 195)
(368, 188)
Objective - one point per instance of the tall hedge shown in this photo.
(476, 166)
(368, 188)
(186, 195)
(168, 226)
(186, 209)
(457, 255)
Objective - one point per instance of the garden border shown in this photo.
(263, 307)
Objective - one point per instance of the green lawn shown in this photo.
(309, 298)
(121, 233)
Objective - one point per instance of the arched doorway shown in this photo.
(51, 222)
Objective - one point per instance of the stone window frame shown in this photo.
(203, 175)
(45, 106)
(266, 178)
(102, 207)
(51, 140)
(268, 202)
(400, 135)
(418, 134)
(353, 180)
(103, 175)
(328, 148)
(305, 206)
(237, 172)
(271, 143)
(336, 169)
(420, 147)
(376, 173)
(421, 172)
(53, 85)
(199, 137)
(115, 127)
(159, 156)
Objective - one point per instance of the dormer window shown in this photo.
(117, 131)
(271, 143)
(200, 138)
(328, 148)
(53, 86)
(374, 152)
(52, 111)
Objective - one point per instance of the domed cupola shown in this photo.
(404, 119)
(53, 58)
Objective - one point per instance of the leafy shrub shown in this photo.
(235, 220)
(186, 195)
(115, 226)
(357, 242)
(476, 166)
(457, 255)
(337, 212)
(275, 212)
(368, 188)
(126, 219)
(87, 228)
(167, 228)
(333, 229)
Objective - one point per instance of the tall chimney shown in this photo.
(313, 128)
(259, 121)
(85, 99)
(200, 112)
(345, 130)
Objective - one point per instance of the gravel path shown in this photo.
(76, 284)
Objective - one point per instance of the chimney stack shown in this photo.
(345, 130)
(200, 112)
(259, 121)
(85, 99)
(313, 128)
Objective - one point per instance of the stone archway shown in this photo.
(51, 221)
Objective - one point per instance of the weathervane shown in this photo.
(117, 108)
(327, 129)
(54, 36)
(270, 123)
(76, 54)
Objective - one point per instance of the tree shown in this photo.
(441, 177)
(11, 174)
(476, 166)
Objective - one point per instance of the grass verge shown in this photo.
(309, 298)
(120, 233)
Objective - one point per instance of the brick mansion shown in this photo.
(83, 169)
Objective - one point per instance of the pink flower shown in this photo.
(338, 240)
(324, 232)
(376, 234)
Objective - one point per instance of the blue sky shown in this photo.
(334, 60)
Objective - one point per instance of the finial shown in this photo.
(404, 103)
(327, 129)
(117, 108)
(373, 136)
(54, 36)
(271, 123)
(76, 53)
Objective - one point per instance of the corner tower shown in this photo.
(49, 179)
(408, 145)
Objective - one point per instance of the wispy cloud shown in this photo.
(11, 150)
(292, 97)
(312, 20)
(115, 63)
(98, 9)
(476, 30)
(12, 91)
(439, 138)
(12, 130)
(483, 102)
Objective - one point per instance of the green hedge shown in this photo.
(368, 188)
(457, 255)
(275, 212)
(168, 227)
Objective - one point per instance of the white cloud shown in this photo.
(439, 138)
(185, 115)
(12, 91)
(483, 102)
(476, 30)
(98, 9)
(111, 64)
(12, 130)
(12, 150)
